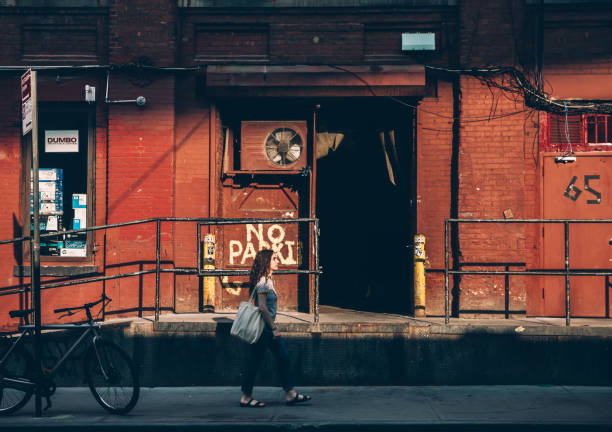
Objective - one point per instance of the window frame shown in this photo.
(583, 143)
(607, 132)
(68, 107)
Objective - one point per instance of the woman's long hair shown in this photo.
(260, 267)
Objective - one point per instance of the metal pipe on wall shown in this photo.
(446, 319)
(316, 268)
(567, 275)
(157, 266)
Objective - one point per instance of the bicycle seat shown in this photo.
(20, 313)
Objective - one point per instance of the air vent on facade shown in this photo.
(557, 129)
(273, 145)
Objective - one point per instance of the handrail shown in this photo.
(187, 270)
(566, 271)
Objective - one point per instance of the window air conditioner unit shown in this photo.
(273, 145)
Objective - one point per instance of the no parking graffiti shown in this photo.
(257, 238)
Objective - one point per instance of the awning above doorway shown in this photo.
(325, 80)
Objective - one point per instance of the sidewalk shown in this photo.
(453, 408)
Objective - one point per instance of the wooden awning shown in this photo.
(305, 80)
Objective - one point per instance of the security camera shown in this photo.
(141, 101)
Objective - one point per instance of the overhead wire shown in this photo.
(466, 119)
(506, 78)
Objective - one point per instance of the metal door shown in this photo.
(578, 190)
(240, 243)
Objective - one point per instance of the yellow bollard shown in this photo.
(419, 275)
(209, 281)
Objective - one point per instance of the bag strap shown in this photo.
(252, 296)
(253, 293)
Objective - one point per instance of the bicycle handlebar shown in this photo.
(85, 306)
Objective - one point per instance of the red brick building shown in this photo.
(381, 118)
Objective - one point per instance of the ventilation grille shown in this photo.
(273, 145)
(557, 129)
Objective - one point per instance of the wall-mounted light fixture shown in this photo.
(140, 100)
(90, 94)
(418, 41)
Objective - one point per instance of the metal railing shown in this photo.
(567, 271)
(314, 268)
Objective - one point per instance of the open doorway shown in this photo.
(366, 204)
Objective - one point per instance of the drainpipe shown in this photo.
(454, 204)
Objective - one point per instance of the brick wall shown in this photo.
(496, 159)
(192, 185)
(496, 163)
(140, 185)
(496, 175)
(142, 28)
(311, 36)
(434, 137)
(154, 161)
(10, 185)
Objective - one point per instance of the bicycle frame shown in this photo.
(39, 381)
(89, 328)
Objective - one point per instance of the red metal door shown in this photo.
(241, 242)
(578, 190)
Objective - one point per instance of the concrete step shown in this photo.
(377, 350)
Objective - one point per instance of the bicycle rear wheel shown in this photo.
(18, 365)
(112, 377)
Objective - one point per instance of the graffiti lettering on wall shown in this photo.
(256, 239)
(573, 192)
(234, 288)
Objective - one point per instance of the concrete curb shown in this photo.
(328, 427)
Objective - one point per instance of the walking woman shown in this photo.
(266, 299)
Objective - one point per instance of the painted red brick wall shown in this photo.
(576, 55)
(10, 185)
(193, 126)
(496, 175)
(140, 186)
(311, 36)
(434, 142)
(497, 167)
(154, 161)
(142, 28)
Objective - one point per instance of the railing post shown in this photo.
(316, 267)
(567, 275)
(507, 293)
(157, 266)
(446, 318)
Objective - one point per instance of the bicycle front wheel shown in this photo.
(16, 368)
(112, 377)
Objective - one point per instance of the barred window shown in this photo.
(598, 129)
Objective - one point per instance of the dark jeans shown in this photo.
(255, 357)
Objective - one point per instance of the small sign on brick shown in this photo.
(26, 101)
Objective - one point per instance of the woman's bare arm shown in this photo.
(265, 313)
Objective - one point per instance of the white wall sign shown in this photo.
(61, 141)
(26, 101)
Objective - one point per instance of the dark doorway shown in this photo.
(365, 202)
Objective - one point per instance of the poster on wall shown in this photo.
(61, 141)
(27, 104)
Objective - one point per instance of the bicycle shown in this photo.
(110, 373)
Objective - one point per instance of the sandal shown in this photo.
(252, 403)
(298, 398)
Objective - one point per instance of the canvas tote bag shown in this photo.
(248, 323)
